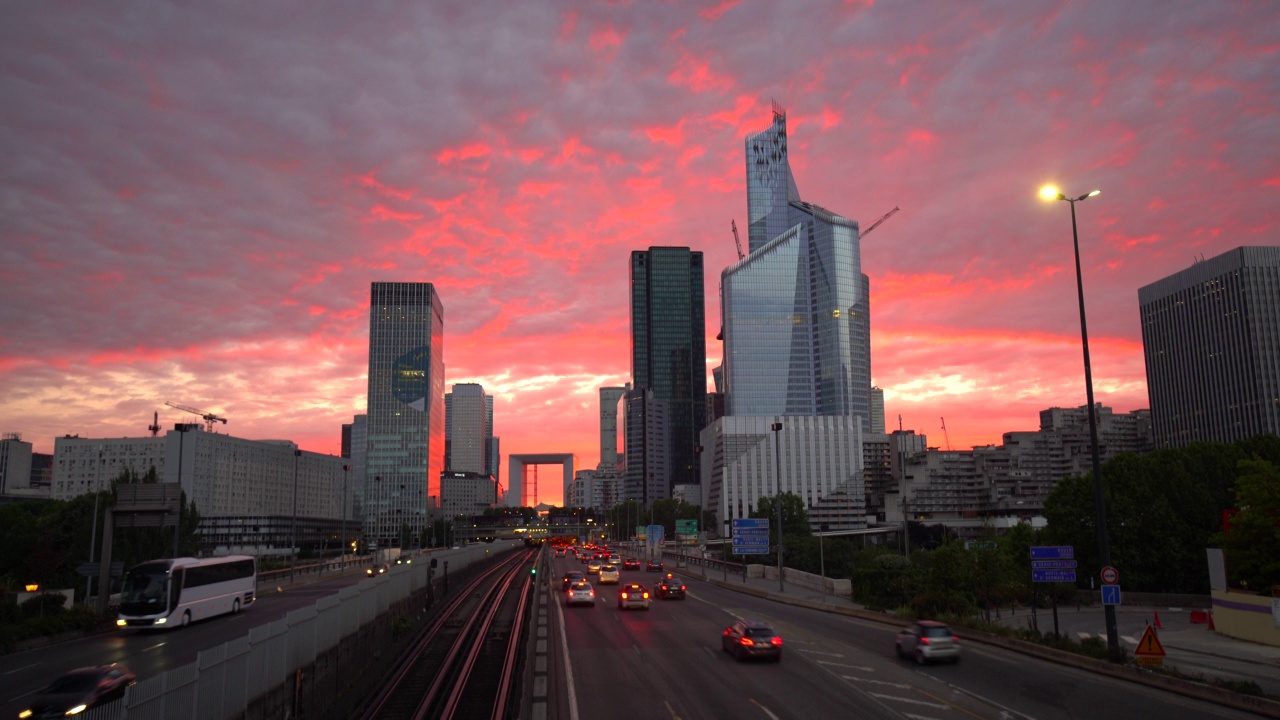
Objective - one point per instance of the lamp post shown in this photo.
(822, 560)
(293, 542)
(777, 498)
(93, 534)
(346, 507)
(1104, 551)
(728, 545)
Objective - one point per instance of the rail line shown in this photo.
(464, 662)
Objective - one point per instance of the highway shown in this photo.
(667, 663)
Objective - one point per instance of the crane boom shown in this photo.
(734, 224)
(209, 418)
(876, 224)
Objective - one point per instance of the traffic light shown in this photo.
(533, 570)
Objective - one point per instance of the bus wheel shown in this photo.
(186, 618)
(235, 606)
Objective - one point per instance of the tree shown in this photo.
(795, 517)
(1251, 544)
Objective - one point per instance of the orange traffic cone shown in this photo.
(1158, 625)
(1211, 622)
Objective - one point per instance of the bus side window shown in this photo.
(175, 587)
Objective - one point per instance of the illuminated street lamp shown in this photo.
(1050, 192)
(777, 478)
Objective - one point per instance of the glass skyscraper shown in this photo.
(796, 311)
(669, 357)
(405, 454)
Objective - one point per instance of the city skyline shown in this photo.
(197, 200)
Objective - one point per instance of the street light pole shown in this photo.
(777, 498)
(293, 542)
(1104, 550)
(93, 534)
(346, 506)
(822, 560)
(728, 545)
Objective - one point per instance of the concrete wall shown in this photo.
(839, 588)
(1247, 616)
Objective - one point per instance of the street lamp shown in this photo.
(293, 542)
(342, 562)
(93, 534)
(822, 561)
(1050, 192)
(777, 498)
(728, 545)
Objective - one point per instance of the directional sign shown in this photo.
(751, 532)
(686, 527)
(91, 569)
(1110, 594)
(1053, 564)
(747, 548)
(1052, 552)
(739, 523)
(980, 545)
(1110, 575)
(1053, 576)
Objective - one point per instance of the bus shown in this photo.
(179, 591)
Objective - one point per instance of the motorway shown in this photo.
(668, 663)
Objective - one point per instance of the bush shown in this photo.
(43, 605)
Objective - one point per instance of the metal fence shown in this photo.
(225, 680)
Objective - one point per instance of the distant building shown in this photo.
(609, 397)
(467, 493)
(358, 431)
(17, 482)
(1210, 337)
(406, 410)
(647, 476)
(877, 410)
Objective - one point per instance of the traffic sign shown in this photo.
(1149, 645)
(980, 545)
(1110, 594)
(1110, 575)
(739, 523)
(1053, 564)
(1053, 576)
(752, 532)
(686, 527)
(1052, 552)
(91, 569)
(742, 547)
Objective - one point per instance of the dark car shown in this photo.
(927, 640)
(375, 570)
(631, 564)
(653, 566)
(79, 690)
(751, 639)
(571, 577)
(633, 596)
(669, 587)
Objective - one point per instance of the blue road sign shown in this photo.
(1053, 576)
(751, 532)
(740, 523)
(1110, 594)
(1051, 552)
(1053, 564)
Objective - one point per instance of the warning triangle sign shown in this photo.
(1149, 644)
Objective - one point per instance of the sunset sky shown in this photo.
(195, 197)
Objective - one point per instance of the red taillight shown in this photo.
(646, 594)
(924, 641)
(776, 641)
(726, 632)
(747, 641)
(624, 596)
(682, 587)
(955, 639)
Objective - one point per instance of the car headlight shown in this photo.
(162, 621)
(24, 715)
(77, 709)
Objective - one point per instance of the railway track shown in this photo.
(464, 663)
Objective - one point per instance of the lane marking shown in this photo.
(24, 667)
(671, 710)
(846, 665)
(568, 668)
(153, 647)
(869, 681)
(765, 709)
(910, 701)
(19, 697)
(819, 652)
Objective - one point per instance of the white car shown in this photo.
(609, 575)
(927, 641)
(580, 593)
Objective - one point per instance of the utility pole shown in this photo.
(777, 498)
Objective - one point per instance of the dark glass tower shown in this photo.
(669, 354)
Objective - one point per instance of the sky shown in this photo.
(195, 197)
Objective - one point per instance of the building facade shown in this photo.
(406, 424)
(647, 472)
(1210, 338)
(16, 478)
(795, 312)
(609, 398)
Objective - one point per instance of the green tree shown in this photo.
(1251, 545)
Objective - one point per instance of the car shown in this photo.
(927, 641)
(79, 690)
(609, 574)
(633, 595)
(580, 593)
(747, 639)
(571, 577)
(375, 569)
(559, 552)
(593, 567)
(653, 566)
(404, 560)
(669, 587)
(631, 564)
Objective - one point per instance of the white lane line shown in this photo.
(568, 669)
(671, 710)
(846, 665)
(765, 709)
(819, 652)
(869, 681)
(153, 647)
(912, 716)
(24, 667)
(909, 701)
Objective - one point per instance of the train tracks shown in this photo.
(465, 661)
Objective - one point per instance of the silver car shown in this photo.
(927, 641)
(580, 593)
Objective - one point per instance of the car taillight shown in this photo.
(682, 587)
(624, 596)
(646, 595)
(955, 639)
(747, 641)
(776, 641)
(726, 632)
(924, 641)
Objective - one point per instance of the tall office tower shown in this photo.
(796, 311)
(469, 428)
(648, 472)
(609, 397)
(1211, 336)
(406, 410)
(669, 349)
(877, 410)
(359, 456)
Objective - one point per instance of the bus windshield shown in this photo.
(145, 590)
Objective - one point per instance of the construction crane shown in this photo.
(154, 427)
(876, 224)
(734, 224)
(945, 436)
(209, 418)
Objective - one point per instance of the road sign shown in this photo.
(980, 545)
(91, 569)
(1053, 576)
(1053, 564)
(1149, 645)
(1053, 552)
(1110, 575)
(741, 546)
(752, 532)
(686, 527)
(739, 523)
(1110, 594)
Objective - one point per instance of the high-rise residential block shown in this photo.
(406, 410)
(1211, 336)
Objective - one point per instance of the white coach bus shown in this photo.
(180, 591)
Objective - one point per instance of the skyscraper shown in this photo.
(1211, 336)
(669, 353)
(469, 429)
(796, 311)
(609, 397)
(406, 410)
